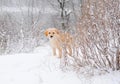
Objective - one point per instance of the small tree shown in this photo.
(97, 42)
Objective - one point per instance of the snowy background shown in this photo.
(25, 54)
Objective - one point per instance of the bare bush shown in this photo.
(97, 39)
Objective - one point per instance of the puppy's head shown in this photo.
(51, 33)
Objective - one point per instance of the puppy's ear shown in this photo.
(46, 33)
(57, 31)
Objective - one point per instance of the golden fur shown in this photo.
(57, 40)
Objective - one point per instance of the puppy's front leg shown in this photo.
(60, 52)
(54, 51)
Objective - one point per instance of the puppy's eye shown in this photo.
(53, 32)
(49, 33)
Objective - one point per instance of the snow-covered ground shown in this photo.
(40, 67)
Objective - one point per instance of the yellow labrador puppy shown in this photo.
(57, 40)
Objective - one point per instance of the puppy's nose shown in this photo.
(51, 36)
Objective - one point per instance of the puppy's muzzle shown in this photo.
(51, 36)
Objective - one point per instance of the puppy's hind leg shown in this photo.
(69, 50)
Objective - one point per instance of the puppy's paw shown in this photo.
(59, 57)
(54, 54)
